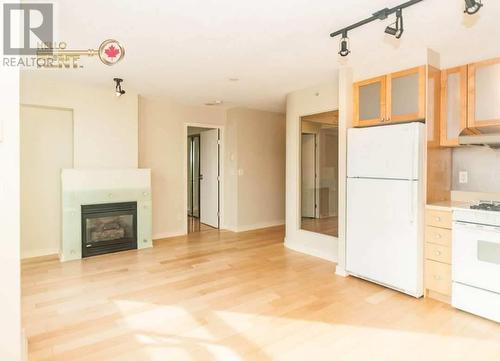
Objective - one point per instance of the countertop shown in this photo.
(447, 205)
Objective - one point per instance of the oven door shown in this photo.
(476, 256)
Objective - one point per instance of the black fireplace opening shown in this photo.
(107, 228)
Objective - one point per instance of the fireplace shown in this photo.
(107, 228)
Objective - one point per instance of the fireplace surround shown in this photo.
(85, 190)
(108, 228)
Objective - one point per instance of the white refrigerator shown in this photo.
(385, 205)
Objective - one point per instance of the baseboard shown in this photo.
(39, 253)
(167, 235)
(341, 272)
(261, 225)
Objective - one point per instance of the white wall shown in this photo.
(46, 149)
(257, 168)
(317, 99)
(163, 148)
(105, 126)
(252, 142)
(10, 293)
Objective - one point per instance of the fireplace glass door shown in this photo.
(107, 228)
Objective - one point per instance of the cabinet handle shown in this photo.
(438, 219)
(438, 236)
(436, 277)
(438, 253)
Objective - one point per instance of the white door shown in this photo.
(383, 242)
(308, 182)
(392, 151)
(46, 148)
(209, 174)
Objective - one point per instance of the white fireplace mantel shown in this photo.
(100, 186)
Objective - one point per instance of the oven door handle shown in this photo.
(477, 226)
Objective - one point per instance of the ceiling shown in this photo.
(188, 50)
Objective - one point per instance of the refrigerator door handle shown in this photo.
(415, 137)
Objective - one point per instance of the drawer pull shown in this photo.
(437, 278)
(438, 219)
(438, 253)
(438, 236)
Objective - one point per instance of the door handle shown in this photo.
(200, 177)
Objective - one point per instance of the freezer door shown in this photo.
(383, 242)
(392, 151)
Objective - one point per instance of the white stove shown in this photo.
(476, 259)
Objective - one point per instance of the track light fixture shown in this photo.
(472, 6)
(344, 45)
(118, 88)
(397, 28)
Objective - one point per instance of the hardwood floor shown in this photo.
(194, 225)
(225, 296)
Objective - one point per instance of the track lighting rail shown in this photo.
(379, 15)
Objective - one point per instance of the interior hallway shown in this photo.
(194, 225)
(218, 295)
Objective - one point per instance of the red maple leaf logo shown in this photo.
(112, 52)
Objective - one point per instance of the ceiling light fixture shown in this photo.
(118, 88)
(344, 45)
(397, 28)
(472, 6)
(215, 102)
(379, 15)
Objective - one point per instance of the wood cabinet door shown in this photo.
(453, 104)
(484, 93)
(433, 110)
(406, 95)
(369, 102)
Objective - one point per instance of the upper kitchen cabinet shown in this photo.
(369, 99)
(484, 94)
(453, 104)
(397, 97)
(406, 95)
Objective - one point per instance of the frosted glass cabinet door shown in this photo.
(453, 104)
(406, 95)
(369, 101)
(484, 93)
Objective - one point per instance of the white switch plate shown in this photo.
(463, 177)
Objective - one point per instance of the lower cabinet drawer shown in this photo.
(442, 219)
(438, 235)
(438, 277)
(438, 253)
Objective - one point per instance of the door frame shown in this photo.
(316, 175)
(191, 139)
(221, 170)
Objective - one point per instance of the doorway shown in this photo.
(319, 173)
(203, 165)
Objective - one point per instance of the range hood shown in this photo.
(485, 136)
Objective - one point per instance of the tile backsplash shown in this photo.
(482, 165)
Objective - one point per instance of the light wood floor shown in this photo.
(194, 225)
(225, 296)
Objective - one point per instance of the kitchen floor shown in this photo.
(218, 295)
